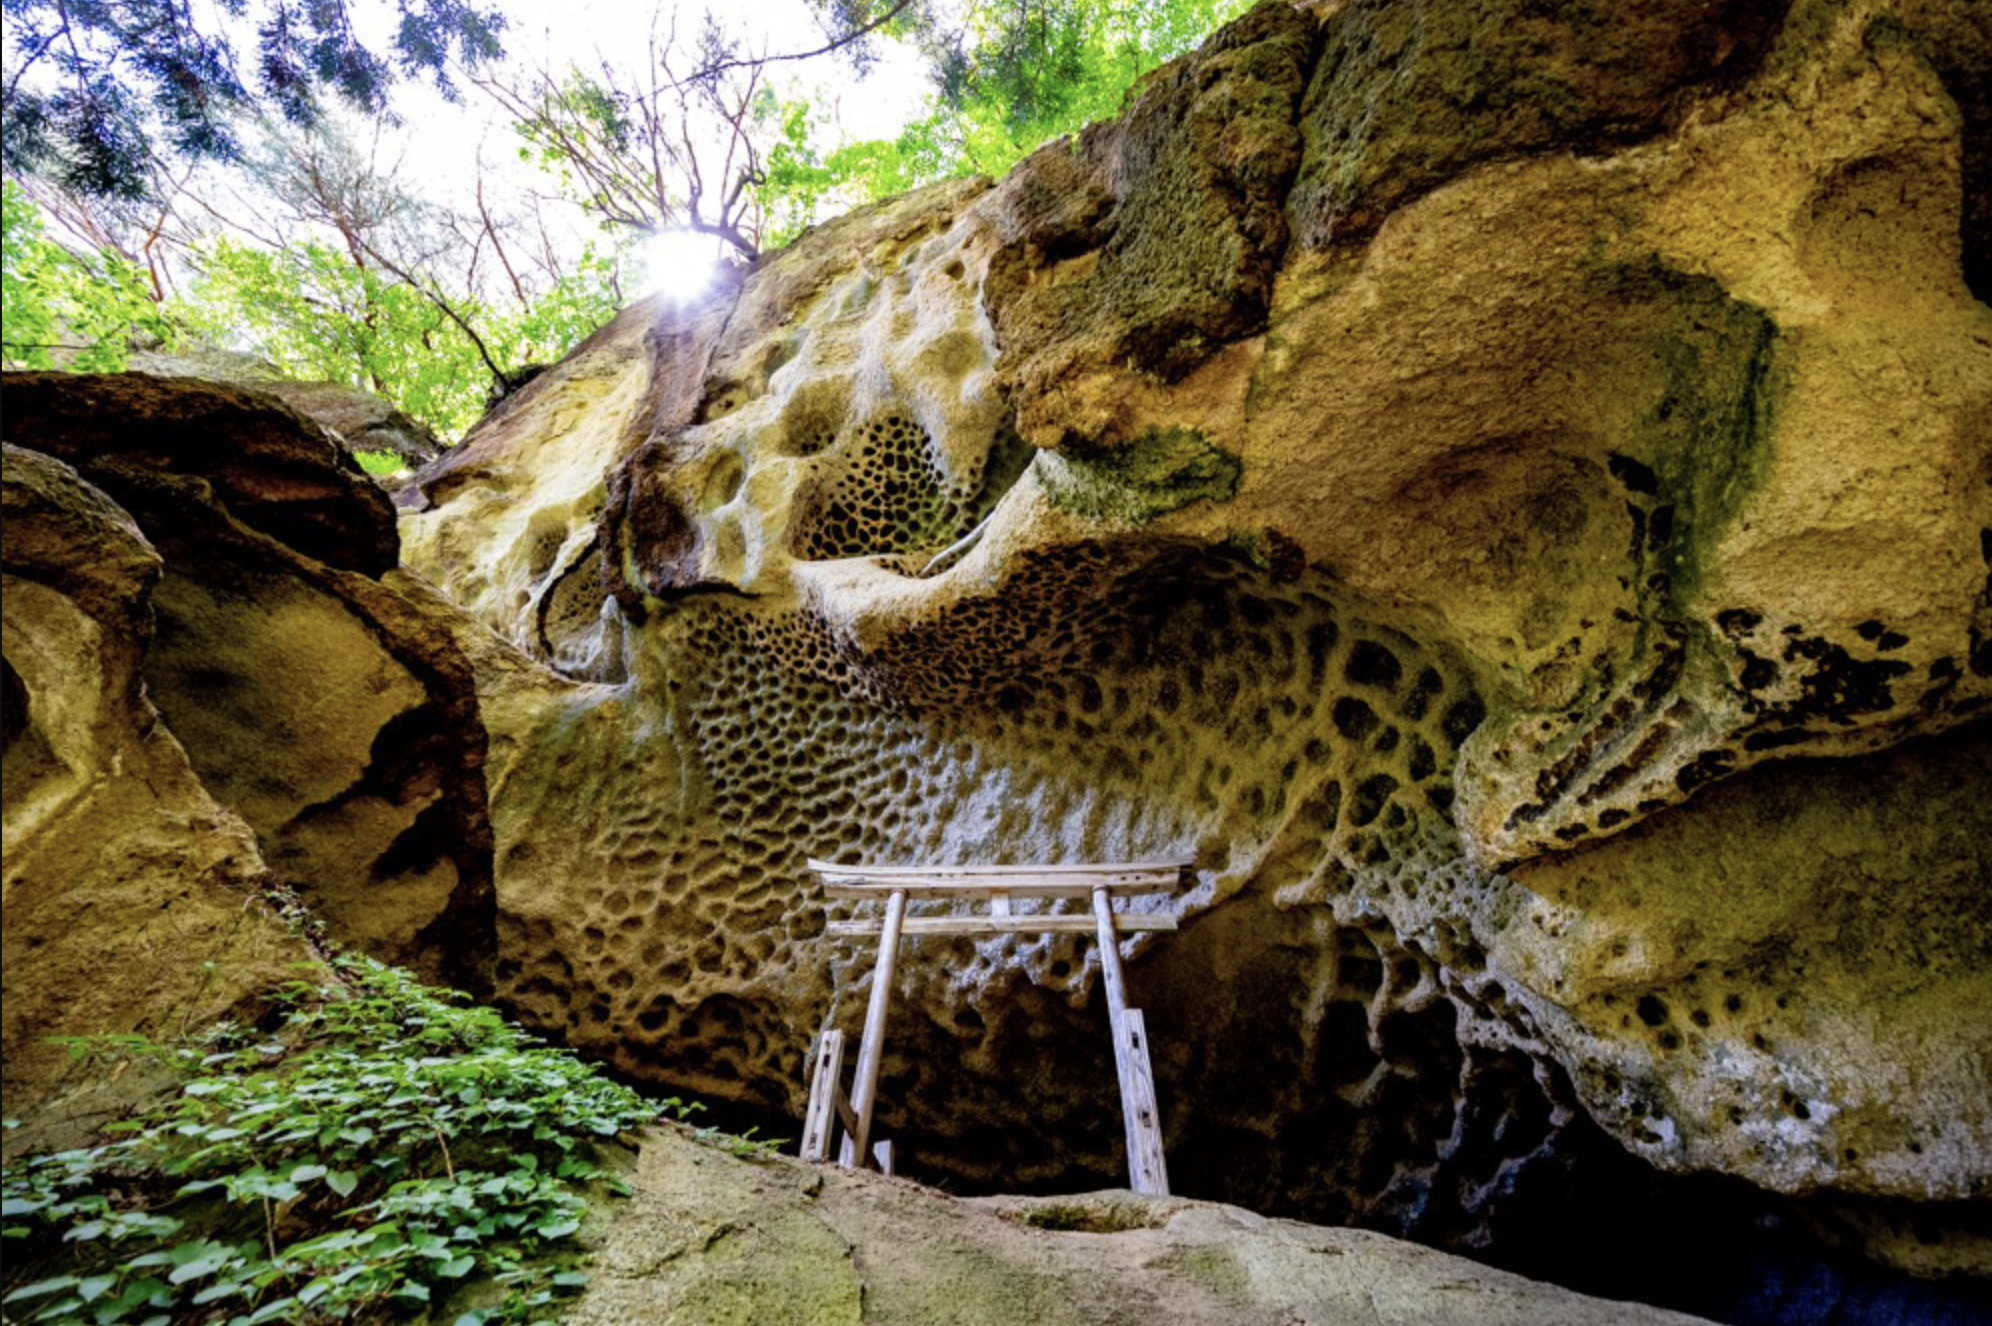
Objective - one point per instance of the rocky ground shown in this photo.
(714, 1239)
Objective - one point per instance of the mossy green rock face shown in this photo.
(1161, 471)
(1501, 488)
(1407, 96)
(709, 1239)
(1153, 239)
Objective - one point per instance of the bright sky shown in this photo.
(436, 150)
(556, 33)
(582, 31)
(443, 144)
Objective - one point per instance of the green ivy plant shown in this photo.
(385, 1147)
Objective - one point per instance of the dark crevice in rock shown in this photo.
(1956, 40)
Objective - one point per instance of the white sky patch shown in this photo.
(439, 150)
(553, 33)
(447, 140)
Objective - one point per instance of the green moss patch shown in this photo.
(1162, 470)
(1711, 403)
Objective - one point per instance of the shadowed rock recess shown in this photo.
(1506, 489)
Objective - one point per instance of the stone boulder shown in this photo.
(315, 690)
(135, 902)
(360, 420)
(708, 1237)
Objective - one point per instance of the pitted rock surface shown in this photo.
(1443, 575)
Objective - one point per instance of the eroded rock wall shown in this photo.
(1423, 463)
(133, 898)
(313, 688)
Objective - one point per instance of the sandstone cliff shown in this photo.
(1506, 490)
(1440, 468)
(221, 695)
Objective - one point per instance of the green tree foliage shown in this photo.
(349, 278)
(1046, 67)
(693, 136)
(101, 92)
(316, 315)
(58, 307)
(1014, 75)
(308, 308)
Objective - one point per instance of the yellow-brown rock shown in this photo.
(712, 1238)
(133, 899)
(1415, 463)
(1771, 977)
(1505, 490)
(314, 695)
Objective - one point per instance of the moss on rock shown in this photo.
(1407, 96)
(1162, 470)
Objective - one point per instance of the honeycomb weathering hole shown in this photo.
(1565, 663)
(884, 490)
(1301, 748)
(1355, 1020)
(1193, 706)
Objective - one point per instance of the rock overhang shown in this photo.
(1478, 517)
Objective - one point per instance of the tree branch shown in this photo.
(499, 375)
(718, 67)
(497, 247)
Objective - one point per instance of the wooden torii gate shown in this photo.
(1147, 1172)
